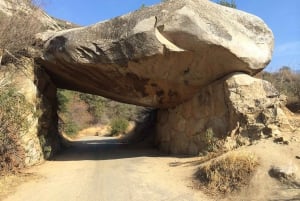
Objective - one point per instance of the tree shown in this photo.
(142, 6)
(230, 4)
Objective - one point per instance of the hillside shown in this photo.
(79, 111)
(287, 82)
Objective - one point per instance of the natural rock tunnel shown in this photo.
(191, 59)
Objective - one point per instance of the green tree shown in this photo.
(66, 123)
(230, 4)
(101, 110)
(142, 6)
(97, 105)
(63, 99)
(119, 126)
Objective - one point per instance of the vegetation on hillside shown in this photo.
(94, 110)
(72, 114)
(287, 82)
(17, 30)
(118, 126)
(14, 120)
(230, 4)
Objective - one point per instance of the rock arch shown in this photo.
(193, 60)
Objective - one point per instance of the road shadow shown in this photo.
(106, 148)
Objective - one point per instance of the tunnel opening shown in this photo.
(98, 120)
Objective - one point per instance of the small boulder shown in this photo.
(281, 140)
(286, 175)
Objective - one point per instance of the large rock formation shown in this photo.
(29, 124)
(192, 59)
(159, 56)
(238, 109)
(38, 138)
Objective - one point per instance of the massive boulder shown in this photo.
(159, 56)
(238, 109)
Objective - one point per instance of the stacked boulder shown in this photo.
(193, 60)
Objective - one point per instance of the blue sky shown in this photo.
(283, 17)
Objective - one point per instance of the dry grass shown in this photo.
(9, 183)
(95, 131)
(17, 31)
(198, 161)
(102, 130)
(229, 173)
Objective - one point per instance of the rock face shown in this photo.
(36, 138)
(238, 109)
(159, 56)
(40, 140)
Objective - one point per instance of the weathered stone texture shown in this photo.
(41, 139)
(238, 109)
(159, 56)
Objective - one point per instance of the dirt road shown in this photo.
(104, 169)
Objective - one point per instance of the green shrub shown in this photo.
(230, 4)
(63, 99)
(209, 140)
(70, 128)
(67, 124)
(14, 113)
(118, 126)
(96, 105)
(102, 108)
